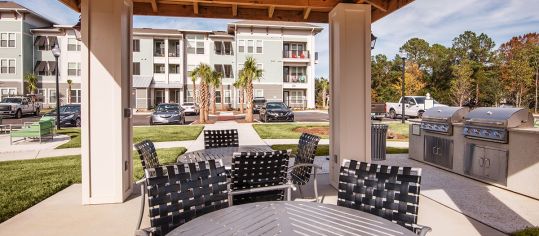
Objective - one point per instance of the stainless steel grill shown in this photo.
(441, 119)
(492, 123)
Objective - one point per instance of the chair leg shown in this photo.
(289, 194)
(315, 186)
(143, 196)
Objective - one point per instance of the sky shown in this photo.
(437, 21)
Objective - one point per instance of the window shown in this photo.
(136, 45)
(218, 96)
(174, 68)
(73, 69)
(173, 48)
(75, 96)
(72, 44)
(225, 70)
(227, 96)
(159, 68)
(136, 68)
(295, 74)
(223, 48)
(159, 48)
(195, 44)
(259, 93)
(296, 97)
(258, 46)
(241, 45)
(7, 66)
(190, 96)
(52, 96)
(295, 50)
(250, 46)
(7, 40)
(190, 68)
(6, 92)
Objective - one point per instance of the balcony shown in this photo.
(296, 54)
(299, 79)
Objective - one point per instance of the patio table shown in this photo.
(289, 218)
(224, 153)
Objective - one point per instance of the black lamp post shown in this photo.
(403, 104)
(56, 52)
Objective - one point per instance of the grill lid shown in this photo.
(445, 114)
(499, 117)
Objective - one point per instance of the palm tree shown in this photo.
(69, 82)
(325, 90)
(31, 82)
(239, 85)
(204, 72)
(250, 73)
(194, 74)
(215, 82)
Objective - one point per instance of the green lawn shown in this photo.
(323, 150)
(532, 231)
(289, 131)
(400, 130)
(25, 183)
(153, 133)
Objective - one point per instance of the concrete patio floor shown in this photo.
(63, 214)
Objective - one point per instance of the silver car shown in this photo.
(168, 113)
(190, 108)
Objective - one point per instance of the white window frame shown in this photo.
(164, 68)
(7, 61)
(228, 98)
(296, 96)
(136, 46)
(259, 44)
(193, 41)
(77, 68)
(221, 97)
(258, 93)
(7, 92)
(241, 46)
(8, 38)
(77, 96)
(49, 94)
(190, 96)
(250, 45)
(76, 44)
(178, 68)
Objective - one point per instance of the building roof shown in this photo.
(273, 24)
(142, 81)
(13, 6)
(273, 10)
(151, 31)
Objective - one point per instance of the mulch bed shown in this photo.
(313, 130)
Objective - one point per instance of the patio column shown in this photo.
(350, 84)
(106, 87)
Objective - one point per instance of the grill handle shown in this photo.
(483, 122)
(481, 162)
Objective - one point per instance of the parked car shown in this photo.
(378, 110)
(168, 113)
(414, 107)
(190, 108)
(258, 102)
(276, 111)
(18, 106)
(69, 115)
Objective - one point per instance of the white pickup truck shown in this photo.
(18, 106)
(414, 107)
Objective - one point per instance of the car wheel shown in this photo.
(182, 122)
(151, 122)
(392, 114)
(18, 114)
(77, 122)
(37, 112)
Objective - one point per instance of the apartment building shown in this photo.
(163, 60)
(16, 45)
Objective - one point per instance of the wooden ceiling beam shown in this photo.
(73, 4)
(195, 7)
(392, 6)
(224, 12)
(154, 5)
(234, 10)
(306, 13)
(320, 5)
(271, 9)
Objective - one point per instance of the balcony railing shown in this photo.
(296, 54)
(295, 79)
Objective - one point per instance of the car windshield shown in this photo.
(167, 107)
(276, 106)
(189, 104)
(68, 109)
(420, 100)
(11, 100)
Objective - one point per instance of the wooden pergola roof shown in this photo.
(279, 10)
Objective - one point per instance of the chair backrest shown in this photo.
(391, 192)
(147, 154)
(259, 169)
(306, 154)
(221, 138)
(179, 193)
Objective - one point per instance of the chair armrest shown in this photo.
(423, 230)
(290, 169)
(146, 231)
(141, 181)
(263, 189)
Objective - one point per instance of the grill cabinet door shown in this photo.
(496, 165)
(439, 151)
(477, 161)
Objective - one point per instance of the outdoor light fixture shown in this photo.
(403, 56)
(373, 41)
(56, 52)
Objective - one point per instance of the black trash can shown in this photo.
(378, 142)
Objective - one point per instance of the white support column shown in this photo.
(106, 93)
(350, 82)
(167, 95)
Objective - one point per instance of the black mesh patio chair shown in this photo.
(300, 172)
(221, 138)
(259, 176)
(391, 192)
(179, 193)
(148, 159)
